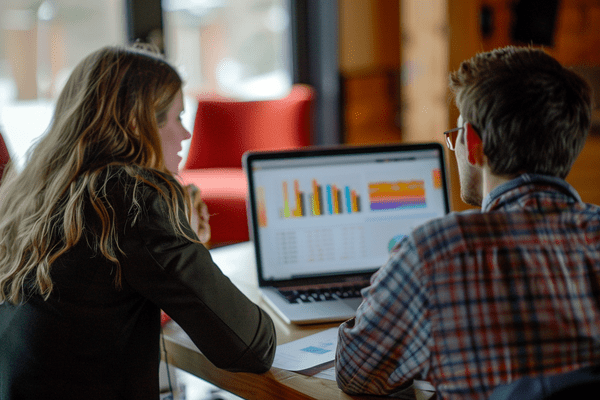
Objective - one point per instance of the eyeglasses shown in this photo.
(451, 136)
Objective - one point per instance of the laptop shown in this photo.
(324, 219)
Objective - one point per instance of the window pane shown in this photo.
(40, 43)
(236, 48)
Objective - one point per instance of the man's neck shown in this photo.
(491, 181)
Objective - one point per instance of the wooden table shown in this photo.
(237, 262)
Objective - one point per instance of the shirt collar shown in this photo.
(527, 179)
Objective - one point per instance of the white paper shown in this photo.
(307, 352)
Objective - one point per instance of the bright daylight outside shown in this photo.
(236, 48)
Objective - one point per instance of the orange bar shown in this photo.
(298, 197)
(354, 201)
(315, 198)
(335, 198)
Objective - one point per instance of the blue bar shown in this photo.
(348, 200)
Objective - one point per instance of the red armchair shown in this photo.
(4, 157)
(223, 130)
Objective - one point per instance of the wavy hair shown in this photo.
(107, 119)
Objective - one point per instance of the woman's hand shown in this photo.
(200, 214)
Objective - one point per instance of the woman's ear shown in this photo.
(474, 146)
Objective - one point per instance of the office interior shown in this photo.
(379, 67)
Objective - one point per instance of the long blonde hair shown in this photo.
(106, 119)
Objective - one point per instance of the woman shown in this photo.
(95, 240)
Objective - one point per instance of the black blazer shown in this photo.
(93, 341)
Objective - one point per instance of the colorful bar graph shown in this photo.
(335, 201)
(396, 195)
(298, 198)
(328, 200)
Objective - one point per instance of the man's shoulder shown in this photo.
(458, 228)
(445, 233)
(448, 222)
(476, 226)
(590, 208)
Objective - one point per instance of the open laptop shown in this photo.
(323, 219)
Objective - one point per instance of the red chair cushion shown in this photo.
(224, 191)
(225, 128)
(4, 156)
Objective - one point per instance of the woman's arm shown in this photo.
(180, 277)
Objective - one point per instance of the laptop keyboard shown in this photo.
(314, 295)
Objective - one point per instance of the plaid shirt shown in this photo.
(480, 298)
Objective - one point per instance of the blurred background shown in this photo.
(236, 48)
(379, 67)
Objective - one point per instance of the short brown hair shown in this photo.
(532, 113)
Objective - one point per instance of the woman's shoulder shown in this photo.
(146, 198)
(132, 178)
(132, 187)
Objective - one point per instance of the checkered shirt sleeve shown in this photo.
(388, 345)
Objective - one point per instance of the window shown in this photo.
(236, 48)
(40, 43)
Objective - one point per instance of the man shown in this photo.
(481, 298)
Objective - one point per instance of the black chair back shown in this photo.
(572, 385)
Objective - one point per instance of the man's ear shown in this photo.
(474, 146)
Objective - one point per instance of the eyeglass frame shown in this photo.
(451, 143)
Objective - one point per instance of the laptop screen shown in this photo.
(335, 211)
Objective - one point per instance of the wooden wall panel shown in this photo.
(424, 58)
(371, 104)
(577, 37)
(576, 34)
(464, 42)
(370, 67)
(577, 41)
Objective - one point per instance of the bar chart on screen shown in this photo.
(321, 199)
